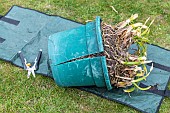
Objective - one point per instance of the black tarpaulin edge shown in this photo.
(166, 88)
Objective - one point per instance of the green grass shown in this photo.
(19, 94)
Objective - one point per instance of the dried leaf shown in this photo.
(114, 9)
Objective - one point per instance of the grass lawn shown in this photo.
(19, 94)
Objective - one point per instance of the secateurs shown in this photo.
(27, 66)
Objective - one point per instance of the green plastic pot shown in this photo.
(66, 55)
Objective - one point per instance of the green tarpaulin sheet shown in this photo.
(28, 31)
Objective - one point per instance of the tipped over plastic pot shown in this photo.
(69, 53)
